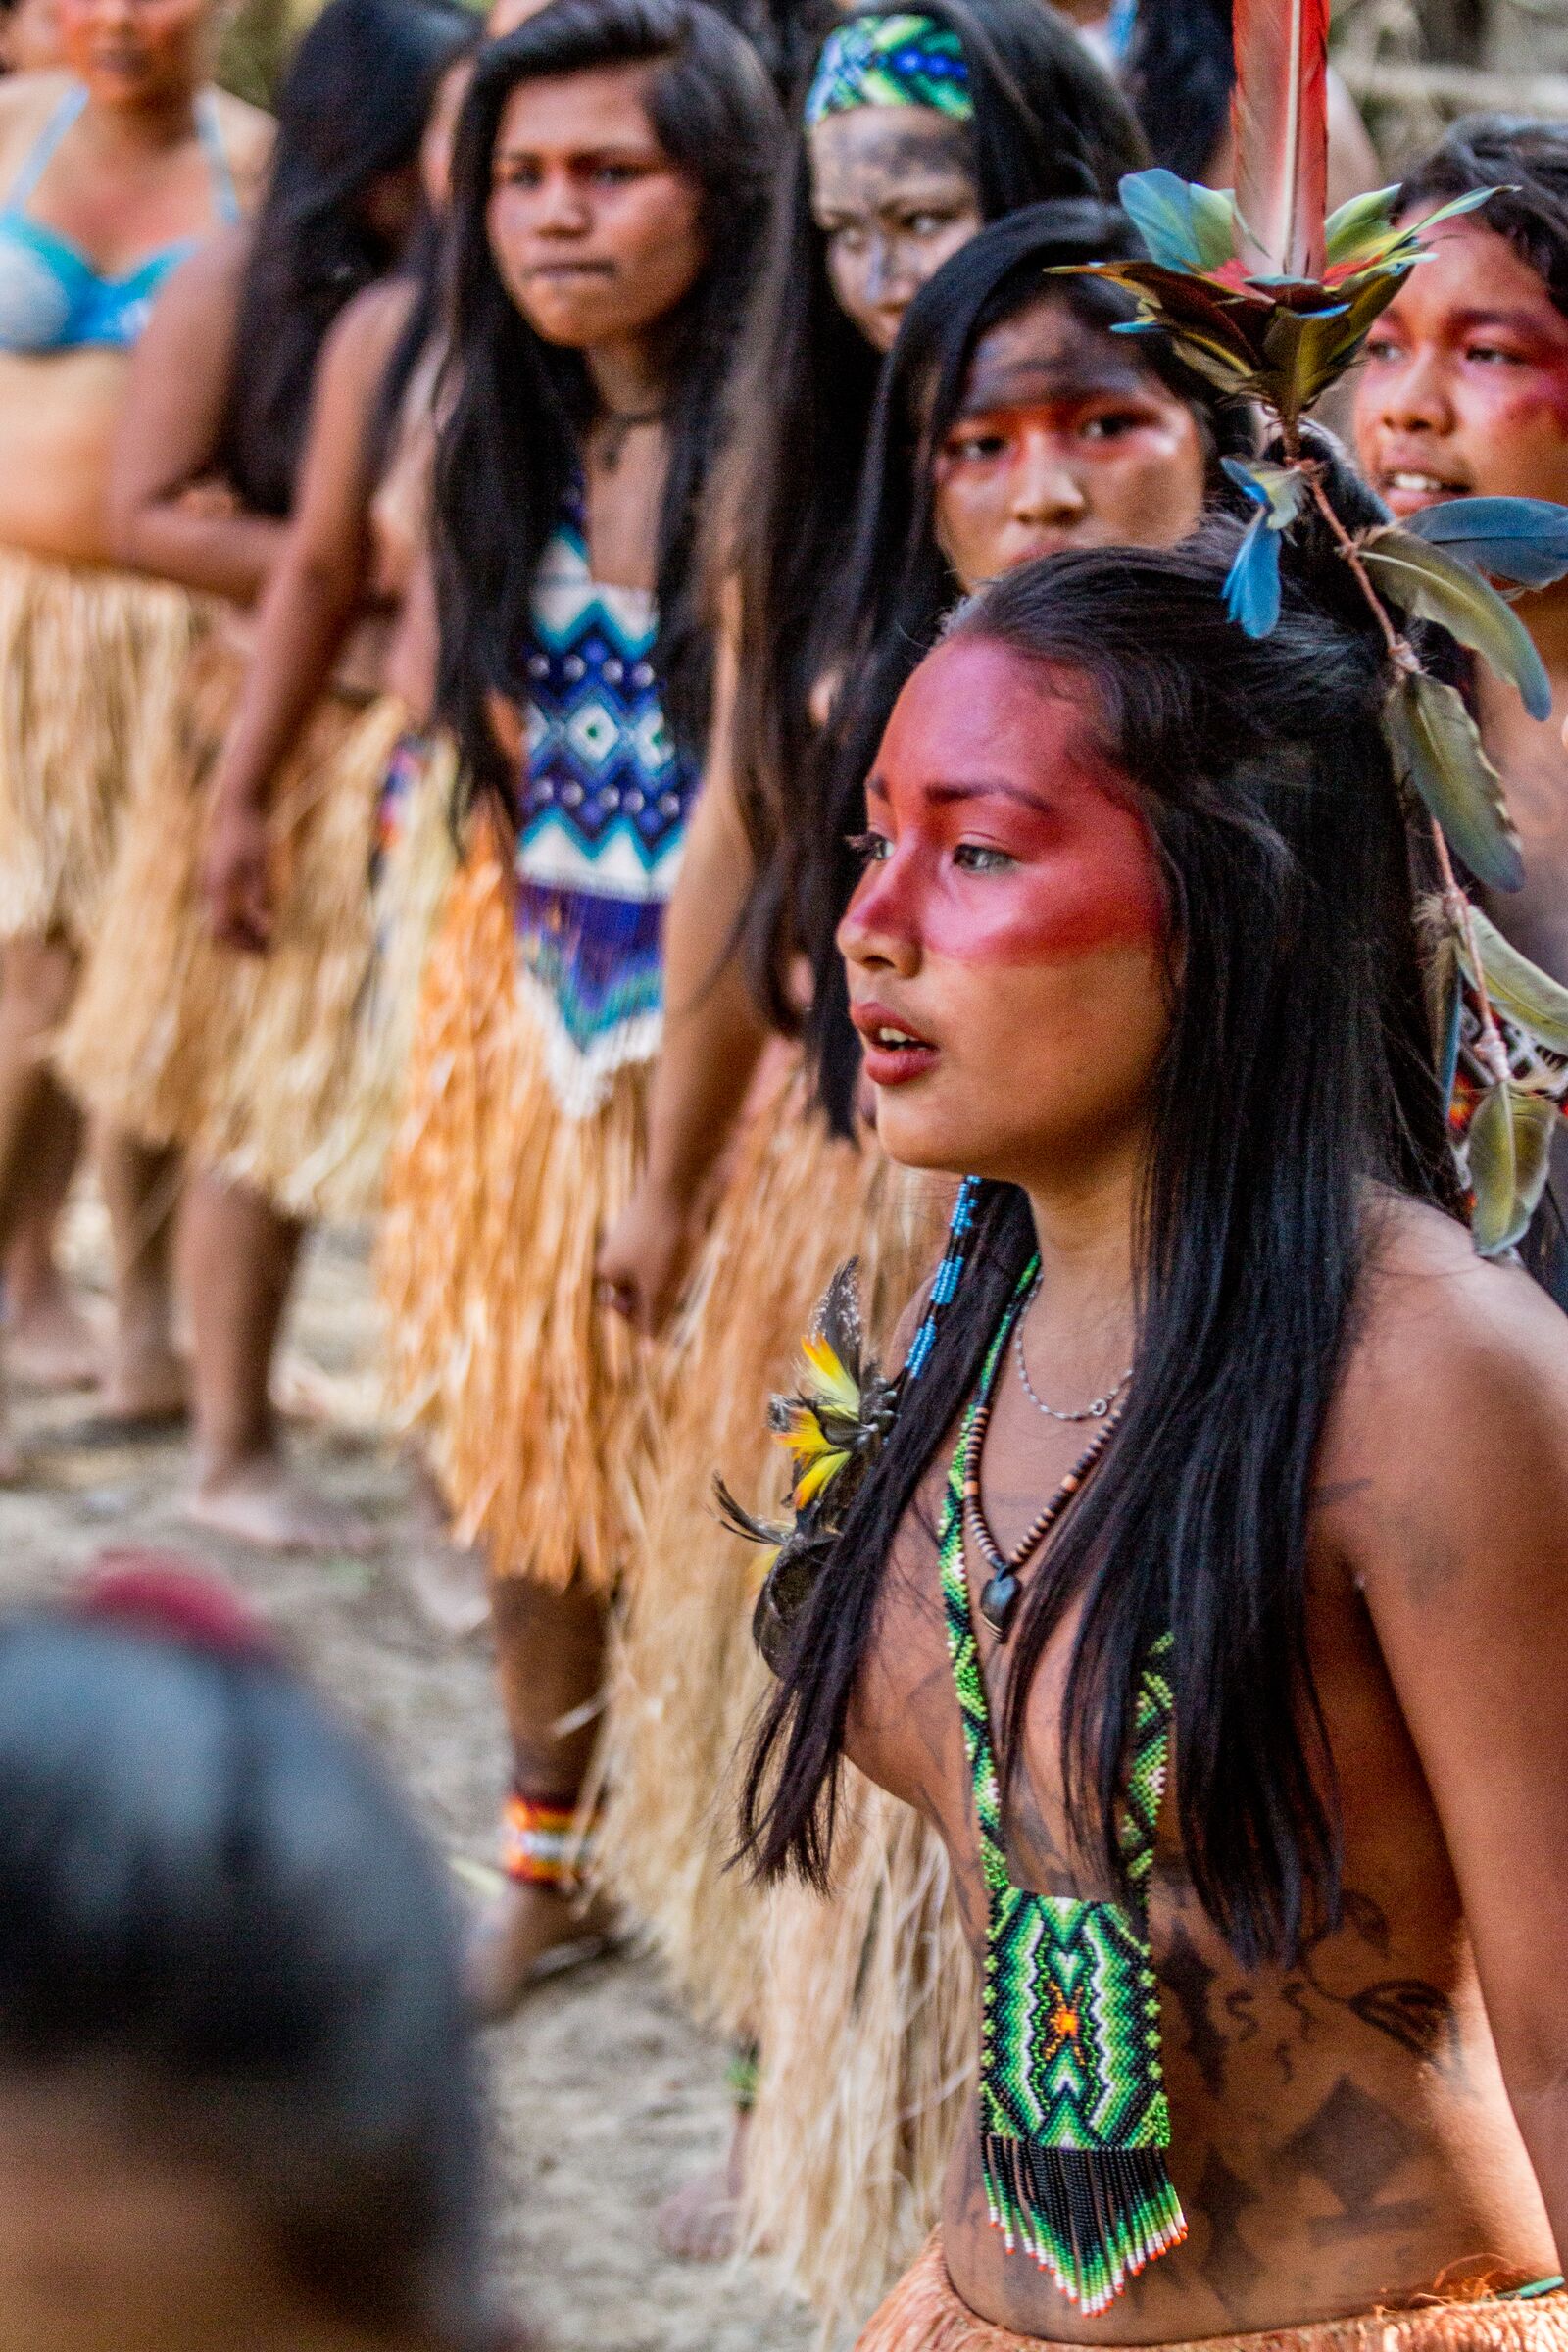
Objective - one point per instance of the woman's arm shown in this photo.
(171, 430)
(1460, 1547)
(712, 1041)
(315, 588)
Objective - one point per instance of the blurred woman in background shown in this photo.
(236, 1059)
(612, 171)
(113, 170)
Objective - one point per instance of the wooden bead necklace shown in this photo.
(1000, 1595)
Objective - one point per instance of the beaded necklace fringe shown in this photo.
(1073, 2114)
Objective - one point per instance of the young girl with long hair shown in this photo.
(240, 1061)
(612, 170)
(1012, 421)
(113, 169)
(1193, 1598)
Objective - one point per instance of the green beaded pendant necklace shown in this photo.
(1074, 2121)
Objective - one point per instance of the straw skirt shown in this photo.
(537, 1406)
(925, 2314)
(265, 1070)
(90, 661)
(687, 1680)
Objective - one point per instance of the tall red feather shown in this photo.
(1279, 119)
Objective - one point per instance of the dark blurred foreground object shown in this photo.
(238, 2104)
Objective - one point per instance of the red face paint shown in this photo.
(1464, 391)
(1006, 942)
(996, 835)
(1063, 439)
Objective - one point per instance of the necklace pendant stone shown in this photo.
(998, 1598)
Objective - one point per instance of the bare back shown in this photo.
(1341, 2134)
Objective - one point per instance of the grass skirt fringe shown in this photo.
(89, 661)
(251, 1063)
(539, 1407)
(866, 2022)
(687, 1680)
(923, 2314)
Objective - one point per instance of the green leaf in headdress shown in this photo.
(1531, 998)
(1436, 586)
(1438, 750)
(1361, 229)
(1184, 226)
(1510, 1152)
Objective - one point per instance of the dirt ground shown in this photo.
(605, 2096)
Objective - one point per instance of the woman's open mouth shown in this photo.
(894, 1054)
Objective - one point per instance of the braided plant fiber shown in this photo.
(247, 1062)
(90, 661)
(539, 1406)
(687, 1682)
(923, 2314)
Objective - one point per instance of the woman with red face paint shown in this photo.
(182, 1048)
(1464, 392)
(111, 169)
(611, 176)
(1251, 1813)
(1012, 421)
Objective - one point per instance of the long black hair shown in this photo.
(1180, 73)
(898, 588)
(1047, 122)
(352, 110)
(1526, 162)
(511, 447)
(213, 1900)
(1296, 1079)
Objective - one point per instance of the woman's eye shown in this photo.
(1492, 355)
(847, 238)
(981, 857)
(868, 849)
(926, 224)
(1110, 426)
(972, 449)
(1382, 347)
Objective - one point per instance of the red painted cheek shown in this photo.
(1096, 886)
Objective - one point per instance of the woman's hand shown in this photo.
(236, 882)
(645, 1256)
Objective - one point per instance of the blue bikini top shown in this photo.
(51, 297)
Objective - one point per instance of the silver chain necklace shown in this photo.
(1097, 1410)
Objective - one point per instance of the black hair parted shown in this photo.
(1297, 1090)
(897, 589)
(1181, 71)
(1526, 162)
(214, 1905)
(509, 451)
(1047, 122)
(352, 110)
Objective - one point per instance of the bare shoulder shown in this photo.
(203, 294)
(248, 134)
(1456, 1375)
(365, 334)
(27, 102)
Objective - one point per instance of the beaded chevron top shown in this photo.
(601, 823)
(1074, 2115)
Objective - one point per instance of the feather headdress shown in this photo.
(1272, 303)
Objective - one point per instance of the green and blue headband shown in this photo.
(901, 60)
